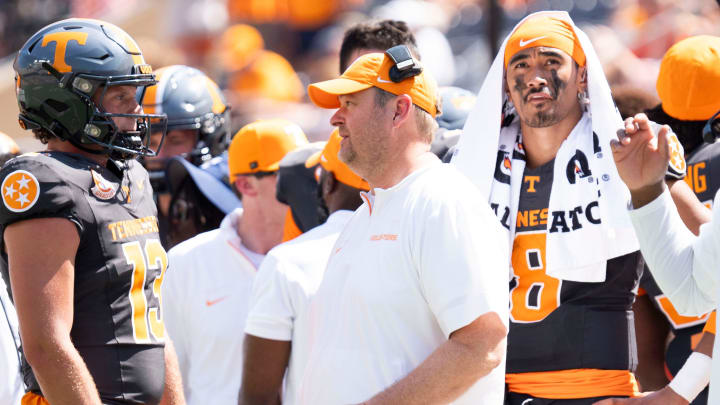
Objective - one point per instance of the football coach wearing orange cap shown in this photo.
(287, 281)
(206, 294)
(413, 303)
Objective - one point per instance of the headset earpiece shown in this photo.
(405, 65)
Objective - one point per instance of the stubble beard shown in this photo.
(542, 119)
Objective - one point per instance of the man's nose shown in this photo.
(337, 119)
(537, 78)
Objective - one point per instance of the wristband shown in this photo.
(693, 377)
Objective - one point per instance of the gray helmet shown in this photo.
(456, 105)
(191, 100)
(60, 69)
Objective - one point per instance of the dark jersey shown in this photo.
(703, 171)
(558, 324)
(119, 266)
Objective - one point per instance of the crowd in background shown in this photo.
(263, 54)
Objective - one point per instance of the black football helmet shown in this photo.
(61, 68)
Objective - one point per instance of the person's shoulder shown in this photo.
(39, 184)
(197, 245)
(706, 152)
(444, 181)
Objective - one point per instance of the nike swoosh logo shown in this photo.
(527, 401)
(523, 43)
(210, 303)
(380, 80)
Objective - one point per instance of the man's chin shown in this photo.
(542, 119)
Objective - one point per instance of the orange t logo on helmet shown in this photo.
(61, 40)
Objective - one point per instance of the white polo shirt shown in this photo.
(283, 287)
(11, 383)
(206, 292)
(416, 262)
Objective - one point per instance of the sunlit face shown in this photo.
(120, 100)
(266, 187)
(177, 142)
(363, 127)
(543, 84)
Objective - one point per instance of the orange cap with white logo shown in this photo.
(373, 70)
(329, 160)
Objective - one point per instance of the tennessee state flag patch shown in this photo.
(20, 191)
(677, 164)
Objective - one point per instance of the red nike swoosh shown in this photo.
(213, 302)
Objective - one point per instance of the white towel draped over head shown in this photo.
(575, 253)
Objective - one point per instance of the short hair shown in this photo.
(43, 135)
(426, 124)
(382, 34)
(689, 133)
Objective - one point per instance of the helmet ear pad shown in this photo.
(64, 113)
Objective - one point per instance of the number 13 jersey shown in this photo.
(560, 325)
(119, 265)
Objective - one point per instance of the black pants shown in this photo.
(512, 398)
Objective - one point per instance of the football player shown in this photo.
(80, 225)
(687, 71)
(571, 338)
(198, 128)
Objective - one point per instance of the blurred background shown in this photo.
(263, 53)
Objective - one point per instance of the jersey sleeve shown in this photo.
(271, 312)
(683, 265)
(34, 189)
(677, 166)
(463, 260)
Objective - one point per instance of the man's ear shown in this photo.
(402, 109)
(329, 183)
(246, 185)
(582, 77)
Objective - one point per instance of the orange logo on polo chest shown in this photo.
(20, 191)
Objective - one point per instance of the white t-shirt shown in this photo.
(206, 292)
(284, 285)
(415, 263)
(11, 384)
(685, 267)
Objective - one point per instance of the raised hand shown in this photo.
(642, 159)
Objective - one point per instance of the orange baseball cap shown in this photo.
(328, 159)
(689, 77)
(372, 70)
(259, 146)
(545, 30)
(239, 45)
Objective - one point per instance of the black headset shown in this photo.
(405, 65)
(710, 133)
